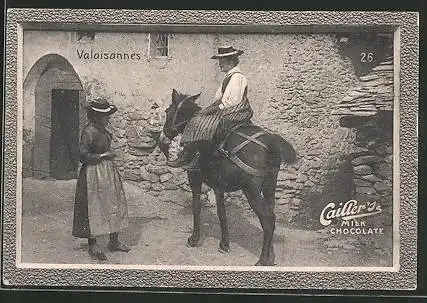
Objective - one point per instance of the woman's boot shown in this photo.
(95, 251)
(115, 244)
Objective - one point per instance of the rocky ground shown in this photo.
(159, 227)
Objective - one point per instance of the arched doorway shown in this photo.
(53, 115)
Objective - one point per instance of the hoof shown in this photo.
(223, 248)
(191, 242)
(265, 263)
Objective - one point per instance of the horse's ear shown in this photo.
(194, 97)
(174, 95)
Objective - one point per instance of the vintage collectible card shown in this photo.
(211, 149)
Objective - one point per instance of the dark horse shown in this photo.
(262, 158)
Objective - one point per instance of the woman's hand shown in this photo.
(108, 155)
(211, 109)
(214, 107)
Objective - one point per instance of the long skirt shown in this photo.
(210, 127)
(100, 205)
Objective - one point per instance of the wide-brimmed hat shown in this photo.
(101, 106)
(227, 51)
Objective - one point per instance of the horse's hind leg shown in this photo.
(269, 193)
(266, 218)
(195, 180)
(224, 245)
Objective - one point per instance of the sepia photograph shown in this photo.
(209, 147)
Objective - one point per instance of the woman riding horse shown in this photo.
(248, 157)
(231, 107)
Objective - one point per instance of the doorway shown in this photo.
(52, 90)
(64, 142)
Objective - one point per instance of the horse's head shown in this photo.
(179, 112)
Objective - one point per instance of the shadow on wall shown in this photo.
(338, 188)
(365, 50)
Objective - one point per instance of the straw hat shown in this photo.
(101, 106)
(227, 51)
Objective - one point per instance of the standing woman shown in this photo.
(100, 205)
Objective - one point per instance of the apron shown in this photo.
(100, 205)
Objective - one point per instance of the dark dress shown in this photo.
(100, 204)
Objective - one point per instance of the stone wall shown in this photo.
(373, 164)
(368, 109)
(294, 82)
(313, 79)
(136, 130)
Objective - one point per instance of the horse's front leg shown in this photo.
(195, 179)
(224, 245)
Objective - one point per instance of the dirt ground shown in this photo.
(158, 230)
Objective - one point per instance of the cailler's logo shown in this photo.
(349, 211)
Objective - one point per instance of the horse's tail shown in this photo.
(281, 150)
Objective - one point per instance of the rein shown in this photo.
(174, 126)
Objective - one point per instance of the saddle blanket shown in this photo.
(208, 127)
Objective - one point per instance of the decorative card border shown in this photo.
(405, 27)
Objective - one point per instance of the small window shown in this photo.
(84, 37)
(159, 45)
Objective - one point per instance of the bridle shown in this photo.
(174, 126)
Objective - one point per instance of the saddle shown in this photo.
(232, 154)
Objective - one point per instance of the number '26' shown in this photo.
(366, 57)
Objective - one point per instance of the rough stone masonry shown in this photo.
(313, 80)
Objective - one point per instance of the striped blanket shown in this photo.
(209, 127)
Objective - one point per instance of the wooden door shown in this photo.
(64, 142)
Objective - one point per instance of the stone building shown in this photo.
(369, 110)
(295, 82)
